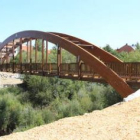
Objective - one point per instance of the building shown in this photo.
(8, 49)
(24, 48)
(126, 48)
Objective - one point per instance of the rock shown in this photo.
(132, 96)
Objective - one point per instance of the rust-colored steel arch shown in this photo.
(109, 75)
(93, 49)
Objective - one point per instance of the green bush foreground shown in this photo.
(43, 100)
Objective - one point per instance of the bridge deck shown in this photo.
(130, 72)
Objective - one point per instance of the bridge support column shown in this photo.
(79, 67)
(36, 56)
(27, 52)
(30, 56)
(1, 57)
(1, 68)
(13, 49)
(36, 50)
(59, 59)
(20, 54)
(46, 63)
(42, 56)
(30, 50)
(6, 58)
(46, 51)
(6, 54)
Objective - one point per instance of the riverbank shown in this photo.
(8, 79)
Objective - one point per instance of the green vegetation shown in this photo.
(43, 100)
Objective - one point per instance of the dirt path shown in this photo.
(9, 79)
(119, 122)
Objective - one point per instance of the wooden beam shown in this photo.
(47, 52)
(27, 51)
(13, 56)
(30, 56)
(6, 54)
(20, 55)
(93, 49)
(1, 57)
(20, 51)
(79, 66)
(30, 50)
(13, 51)
(36, 50)
(42, 54)
(59, 59)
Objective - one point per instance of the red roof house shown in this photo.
(24, 48)
(125, 48)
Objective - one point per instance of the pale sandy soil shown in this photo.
(119, 122)
(9, 79)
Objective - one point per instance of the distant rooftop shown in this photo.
(126, 48)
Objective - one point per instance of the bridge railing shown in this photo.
(6, 67)
(70, 69)
(88, 71)
(126, 70)
(78, 70)
(50, 68)
(39, 68)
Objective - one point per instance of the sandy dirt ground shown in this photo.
(118, 122)
(9, 79)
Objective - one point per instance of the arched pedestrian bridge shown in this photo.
(93, 63)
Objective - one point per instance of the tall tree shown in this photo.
(137, 46)
(110, 50)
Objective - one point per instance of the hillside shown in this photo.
(118, 122)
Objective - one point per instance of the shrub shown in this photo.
(72, 108)
(86, 103)
(31, 117)
(48, 116)
(10, 113)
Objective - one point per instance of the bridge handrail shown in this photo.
(126, 69)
